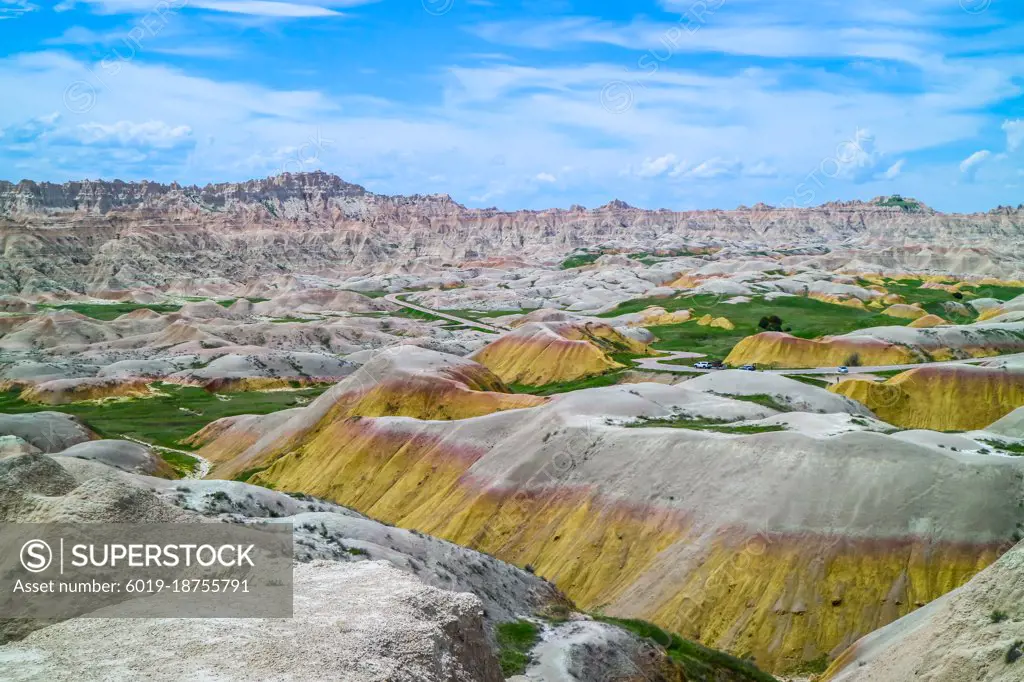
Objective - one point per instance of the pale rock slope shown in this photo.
(784, 544)
(973, 633)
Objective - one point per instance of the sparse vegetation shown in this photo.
(579, 260)
(515, 640)
(803, 317)
(185, 465)
(813, 667)
(700, 424)
(1007, 448)
(762, 399)
(606, 379)
(897, 201)
(164, 419)
(998, 616)
(700, 663)
(111, 311)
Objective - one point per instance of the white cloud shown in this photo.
(715, 168)
(263, 8)
(970, 165)
(1014, 134)
(127, 133)
(893, 171)
(545, 177)
(761, 169)
(652, 168)
(12, 9)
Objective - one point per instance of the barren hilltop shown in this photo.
(95, 235)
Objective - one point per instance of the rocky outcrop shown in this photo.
(98, 236)
(785, 545)
(539, 353)
(973, 633)
(944, 398)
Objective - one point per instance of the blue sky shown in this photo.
(679, 104)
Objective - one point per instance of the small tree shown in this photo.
(853, 360)
(770, 323)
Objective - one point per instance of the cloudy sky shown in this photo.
(527, 104)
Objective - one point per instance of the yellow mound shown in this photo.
(837, 300)
(655, 316)
(538, 354)
(63, 391)
(722, 323)
(904, 312)
(927, 321)
(776, 349)
(948, 398)
(891, 299)
(989, 313)
(777, 597)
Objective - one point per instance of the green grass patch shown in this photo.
(245, 475)
(762, 399)
(701, 424)
(580, 260)
(165, 420)
(813, 667)
(515, 640)
(803, 317)
(597, 381)
(111, 311)
(285, 320)
(809, 380)
(701, 663)
(889, 373)
(897, 201)
(185, 465)
(1012, 448)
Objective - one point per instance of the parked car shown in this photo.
(703, 364)
(749, 368)
(843, 370)
(716, 364)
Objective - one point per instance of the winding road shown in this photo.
(393, 298)
(660, 364)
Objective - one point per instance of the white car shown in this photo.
(843, 370)
(702, 365)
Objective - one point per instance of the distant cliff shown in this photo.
(90, 236)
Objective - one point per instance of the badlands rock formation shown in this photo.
(784, 545)
(540, 353)
(373, 603)
(950, 397)
(110, 236)
(973, 633)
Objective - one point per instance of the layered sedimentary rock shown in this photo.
(778, 349)
(781, 545)
(373, 603)
(944, 398)
(880, 346)
(540, 353)
(973, 633)
(103, 236)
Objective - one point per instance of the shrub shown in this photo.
(770, 323)
(853, 360)
(998, 616)
(514, 643)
